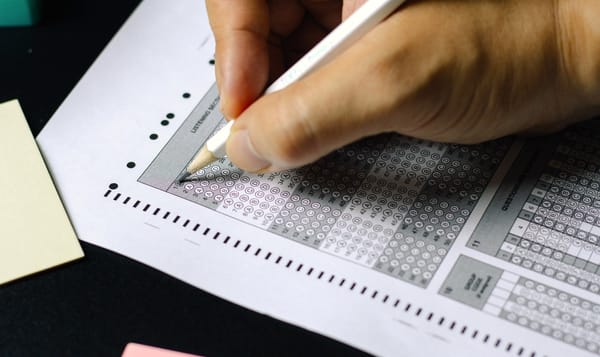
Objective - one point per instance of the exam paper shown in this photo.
(397, 246)
(35, 232)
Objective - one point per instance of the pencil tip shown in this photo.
(202, 159)
(183, 177)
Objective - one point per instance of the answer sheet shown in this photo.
(397, 246)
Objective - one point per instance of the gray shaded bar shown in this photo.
(509, 200)
(188, 139)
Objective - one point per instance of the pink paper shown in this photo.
(137, 350)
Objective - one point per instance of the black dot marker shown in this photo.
(170, 116)
(186, 95)
(113, 186)
(164, 123)
(211, 62)
(131, 164)
(153, 136)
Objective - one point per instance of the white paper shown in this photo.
(469, 298)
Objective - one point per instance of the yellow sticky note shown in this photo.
(35, 232)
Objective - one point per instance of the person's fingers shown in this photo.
(301, 40)
(295, 126)
(248, 39)
(338, 104)
(472, 81)
(241, 30)
(327, 13)
(285, 15)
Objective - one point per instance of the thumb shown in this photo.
(305, 121)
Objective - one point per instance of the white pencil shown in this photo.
(369, 15)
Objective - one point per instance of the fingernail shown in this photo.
(245, 154)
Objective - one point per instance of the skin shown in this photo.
(462, 71)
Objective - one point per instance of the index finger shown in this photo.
(241, 30)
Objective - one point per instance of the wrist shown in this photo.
(578, 31)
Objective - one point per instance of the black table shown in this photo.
(93, 307)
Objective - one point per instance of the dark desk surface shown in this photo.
(93, 307)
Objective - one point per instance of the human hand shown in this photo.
(442, 70)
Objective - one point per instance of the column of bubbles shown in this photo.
(381, 202)
(210, 185)
(558, 229)
(554, 313)
(440, 210)
(324, 192)
(258, 199)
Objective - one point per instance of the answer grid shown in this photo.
(558, 228)
(390, 203)
(525, 302)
